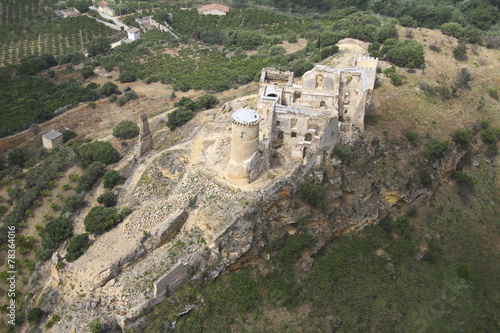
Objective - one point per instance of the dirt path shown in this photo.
(349, 49)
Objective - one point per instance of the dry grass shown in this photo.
(409, 107)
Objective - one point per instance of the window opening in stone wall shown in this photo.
(304, 152)
(280, 136)
(243, 135)
(319, 81)
(322, 104)
(278, 123)
(308, 137)
(294, 134)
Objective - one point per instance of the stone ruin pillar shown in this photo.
(145, 137)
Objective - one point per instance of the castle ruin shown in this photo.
(302, 117)
(145, 136)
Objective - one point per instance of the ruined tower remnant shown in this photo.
(246, 161)
(145, 137)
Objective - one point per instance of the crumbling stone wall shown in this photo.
(145, 136)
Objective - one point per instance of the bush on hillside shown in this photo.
(126, 129)
(314, 195)
(408, 53)
(179, 117)
(437, 149)
(460, 52)
(68, 135)
(92, 173)
(461, 138)
(101, 219)
(72, 203)
(412, 137)
(54, 233)
(108, 199)
(112, 178)
(97, 151)
(77, 247)
(87, 72)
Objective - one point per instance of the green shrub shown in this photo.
(96, 151)
(77, 247)
(52, 321)
(461, 138)
(401, 225)
(101, 219)
(72, 203)
(90, 176)
(206, 102)
(460, 52)
(127, 76)
(98, 45)
(126, 129)
(3, 210)
(125, 212)
(407, 21)
(386, 224)
(121, 101)
(412, 137)
(344, 153)
(425, 178)
(68, 135)
(34, 315)
(452, 29)
(54, 206)
(437, 149)
(385, 32)
(463, 79)
(108, 199)
(464, 180)
(112, 178)
(390, 70)
(94, 326)
(108, 89)
(54, 233)
(490, 135)
(87, 72)
(313, 194)
(374, 49)
(179, 117)
(408, 53)
(397, 79)
(493, 91)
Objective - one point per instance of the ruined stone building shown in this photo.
(302, 117)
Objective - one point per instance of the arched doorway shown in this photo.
(308, 137)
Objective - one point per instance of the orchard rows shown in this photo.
(58, 37)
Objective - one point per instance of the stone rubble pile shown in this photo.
(155, 210)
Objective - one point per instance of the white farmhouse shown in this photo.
(214, 9)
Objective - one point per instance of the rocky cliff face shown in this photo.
(373, 176)
(363, 182)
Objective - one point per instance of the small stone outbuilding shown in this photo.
(52, 139)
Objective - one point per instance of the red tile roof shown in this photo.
(102, 4)
(216, 6)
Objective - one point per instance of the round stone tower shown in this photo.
(244, 146)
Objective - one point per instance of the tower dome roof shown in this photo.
(246, 117)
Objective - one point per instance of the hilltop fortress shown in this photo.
(304, 117)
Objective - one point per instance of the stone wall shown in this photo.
(145, 136)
